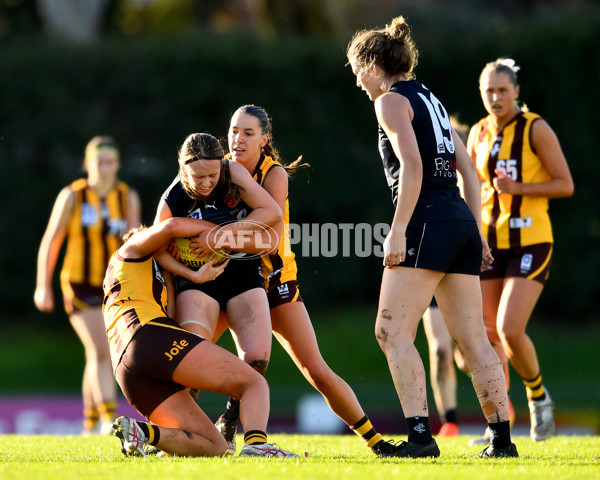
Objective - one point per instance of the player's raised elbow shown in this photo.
(171, 226)
(269, 242)
(567, 188)
(570, 188)
(272, 215)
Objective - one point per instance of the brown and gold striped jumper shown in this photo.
(279, 267)
(510, 221)
(94, 234)
(134, 295)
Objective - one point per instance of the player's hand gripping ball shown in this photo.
(188, 258)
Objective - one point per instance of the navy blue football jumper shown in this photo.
(440, 198)
(442, 234)
(242, 273)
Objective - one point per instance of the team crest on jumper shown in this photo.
(196, 214)
(496, 147)
(89, 216)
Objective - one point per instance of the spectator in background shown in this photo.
(435, 244)
(521, 165)
(92, 213)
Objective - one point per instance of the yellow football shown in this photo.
(188, 258)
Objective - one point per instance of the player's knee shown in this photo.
(382, 328)
(510, 336)
(319, 375)
(102, 356)
(252, 380)
(216, 447)
(392, 339)
(493, 335)
(260, 365)
(382, 336)
(442, 356)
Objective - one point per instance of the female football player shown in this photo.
(521, 164)
(222, 193)
(92, 213)
(434, 245)
(251, 145)
(155, 359)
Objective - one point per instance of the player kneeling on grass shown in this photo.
(154, 360)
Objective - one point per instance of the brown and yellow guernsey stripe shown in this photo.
(279, 267)
(516, 152)
(134, 295)
(511, 220)
(94, 232)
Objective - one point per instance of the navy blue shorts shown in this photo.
(448, 247)
(145, 372)
(239, 276)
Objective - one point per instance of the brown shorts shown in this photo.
(81, 296)
(145, 372)
(287, 292)
(532, 262)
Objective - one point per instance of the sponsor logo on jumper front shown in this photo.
(445, 168)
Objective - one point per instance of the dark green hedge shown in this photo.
(151, 93)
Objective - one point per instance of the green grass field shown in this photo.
(329, 457)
